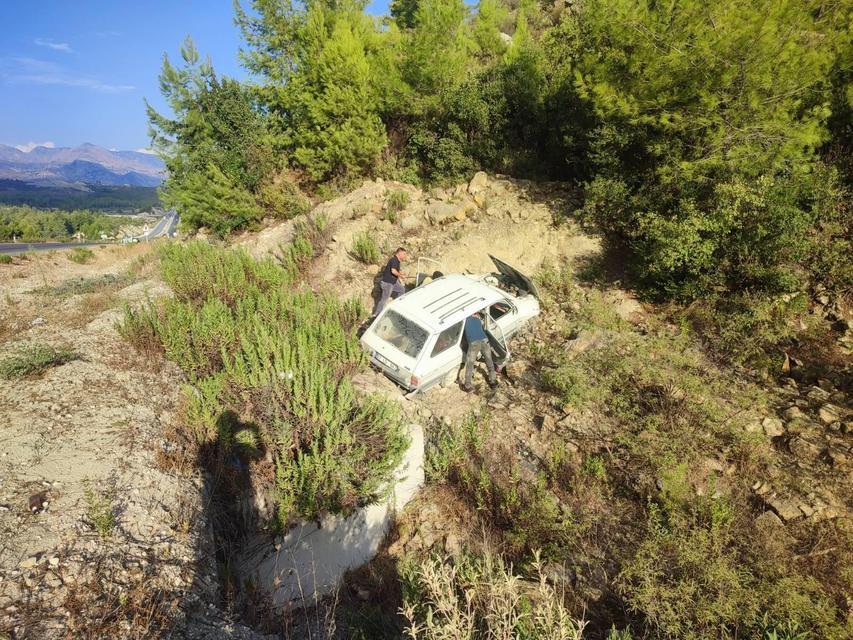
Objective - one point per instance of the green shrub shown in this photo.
(365, 248)
(284, 200)
(594, 469)
(524, 512)
(395, 202)
(270, 368)
(481, 597)
(81, 255)
(139, 328)
(310, 237)
(5, 259)
(746, 328)
(33, 360)
(728, 204)
(693, 577)
(99, 510)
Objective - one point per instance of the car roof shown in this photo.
(445, 301)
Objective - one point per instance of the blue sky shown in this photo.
(77, 71)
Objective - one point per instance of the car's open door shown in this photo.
(497, 340)
(428, 269)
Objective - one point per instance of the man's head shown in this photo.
(401, 254)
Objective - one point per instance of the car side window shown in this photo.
(446, 339)
(499, 310)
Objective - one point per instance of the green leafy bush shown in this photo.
(706, 191)
(100, 510)
(81, 255)
(283, 199)
(33, 360)
(365, 248)
(270, 368)
(693, 577)
(395, 202)
(5, 259)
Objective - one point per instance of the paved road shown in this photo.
(22, 247)
(164, 227)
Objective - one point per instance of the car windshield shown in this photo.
(401, 332)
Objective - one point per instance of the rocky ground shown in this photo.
(95, 538)
(86, 438)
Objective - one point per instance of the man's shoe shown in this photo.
(467, 389)
(493, 384)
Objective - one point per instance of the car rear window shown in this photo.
(401, 332)
(446, 339)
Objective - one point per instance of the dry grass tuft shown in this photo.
(483, 598)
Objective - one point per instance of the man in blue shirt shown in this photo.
(478, 343)
(390, 282)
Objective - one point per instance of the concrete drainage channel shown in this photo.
(308, 562)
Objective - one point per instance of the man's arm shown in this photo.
(397, 273)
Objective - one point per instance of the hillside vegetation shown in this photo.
(713, 141)
(642, 466)
(96, 197)
(28, 224)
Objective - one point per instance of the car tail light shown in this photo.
(415, 381)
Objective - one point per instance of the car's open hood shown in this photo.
(515, 276)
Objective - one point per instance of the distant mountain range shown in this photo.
(80, 167)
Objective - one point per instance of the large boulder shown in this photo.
(411, 222)
(445, 212)
(478, 183)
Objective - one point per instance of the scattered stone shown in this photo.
(817, 394)
(37, 321)
(808, 512)
(453, 545)
(478, 183)
(773, 427)
(836, 457)
(629, 309)
(442, 212)
(795, 413)
(786, 509)
(826, 385)
(772, 532)
(28, 563)
(410, 222)
(768, 520)
(584, 341)
(803, 449)
(829, 413)
(38, 501)
(753, 426)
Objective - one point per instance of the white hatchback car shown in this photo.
(417, 339)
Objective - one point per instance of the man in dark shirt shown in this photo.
(478, 343)
(390, 281)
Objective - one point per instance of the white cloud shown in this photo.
(73, 81)
(20, 70)
(26, 148)
(56, 46)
